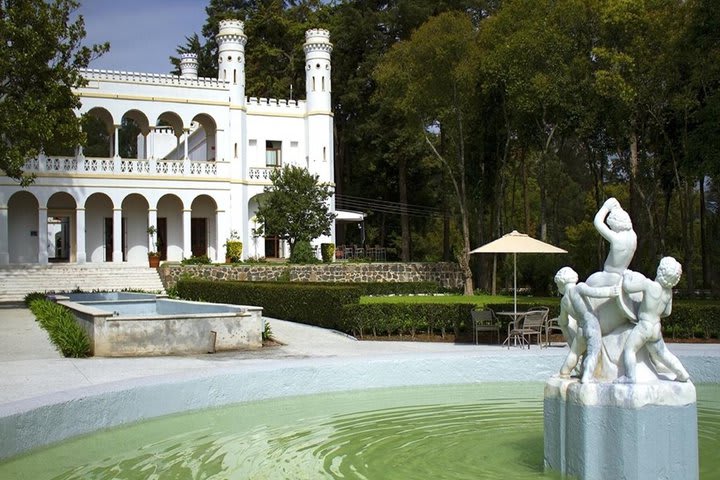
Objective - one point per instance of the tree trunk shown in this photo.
(703, 237)
(404, 217)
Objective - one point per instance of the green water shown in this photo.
(484, 431)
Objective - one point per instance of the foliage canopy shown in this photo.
(40, 58)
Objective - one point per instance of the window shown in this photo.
(272, 153)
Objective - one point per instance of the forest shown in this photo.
(457, 121)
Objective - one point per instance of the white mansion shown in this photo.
(203, 158)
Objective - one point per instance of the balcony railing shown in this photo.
(260, 173)
(127, 166)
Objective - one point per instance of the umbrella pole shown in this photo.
(515, 283)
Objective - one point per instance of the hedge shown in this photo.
(313, 304)
(405, 318)
(335, 305)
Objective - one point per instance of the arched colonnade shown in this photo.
(98, 226)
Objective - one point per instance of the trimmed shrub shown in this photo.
(327, 251)
(405, 318)
(314, 304)
(65, 333)
(303, 253)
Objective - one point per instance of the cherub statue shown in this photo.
(574, 305)
(623, 241)
(656, 304)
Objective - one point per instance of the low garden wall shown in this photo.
(445, 274)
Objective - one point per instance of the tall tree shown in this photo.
(431, 78)
(40, 58)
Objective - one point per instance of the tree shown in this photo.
(207, 63)
(431, 78)
(295, 208)
(40, 59)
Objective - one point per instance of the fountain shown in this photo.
(630, 412)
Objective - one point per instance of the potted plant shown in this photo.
(233, 248)
(153, 255)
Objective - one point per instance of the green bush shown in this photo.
(30, 297)
(197, 260)
(233, 251)
(65, 333)
(302, 252)
(314, 304)
(327, 250)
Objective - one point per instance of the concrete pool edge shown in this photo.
(40, 421)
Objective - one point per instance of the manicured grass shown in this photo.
(474, 299)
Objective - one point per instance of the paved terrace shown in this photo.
(31, 367)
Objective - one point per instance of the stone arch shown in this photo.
(61, 227)
(168, 132)
(203, 140)
(99, 127)
(256, 249)
(98, 231)
(23, 208)
(135, 225)
(134, 129)
(170, 227)
(203, 226)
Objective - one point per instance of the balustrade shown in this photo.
(127, 166)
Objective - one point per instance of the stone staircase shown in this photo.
(16, 281)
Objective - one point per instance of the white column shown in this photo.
(186, 140)
(187, 247)
(116, 141)
(42, 236)
(152, 222)
(117, 256)
(4, 239)
(220, 234)
(80, 254)
(150, 141)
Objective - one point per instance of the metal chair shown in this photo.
(515, 332)
(552, 327)
(484, 321)
(533, 325)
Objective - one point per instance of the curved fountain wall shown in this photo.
(40, 421)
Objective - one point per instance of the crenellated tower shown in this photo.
(317, 70)
(231, 42)
(319, 117)
(189, 65)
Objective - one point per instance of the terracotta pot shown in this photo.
(154, 261)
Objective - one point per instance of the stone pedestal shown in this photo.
(643, 431)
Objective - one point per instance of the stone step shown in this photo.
(18, 281)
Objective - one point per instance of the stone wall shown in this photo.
(446, 275)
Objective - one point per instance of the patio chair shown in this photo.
(484, 321)
(533, 325)
(515, 332)
(551, 328)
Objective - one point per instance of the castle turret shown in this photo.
(317, 70)
(231, 41)
(188, 65)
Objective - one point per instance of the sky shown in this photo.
(143, 34)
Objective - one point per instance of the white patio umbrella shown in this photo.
(515, 242)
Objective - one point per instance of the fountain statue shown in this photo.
(622, 405)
